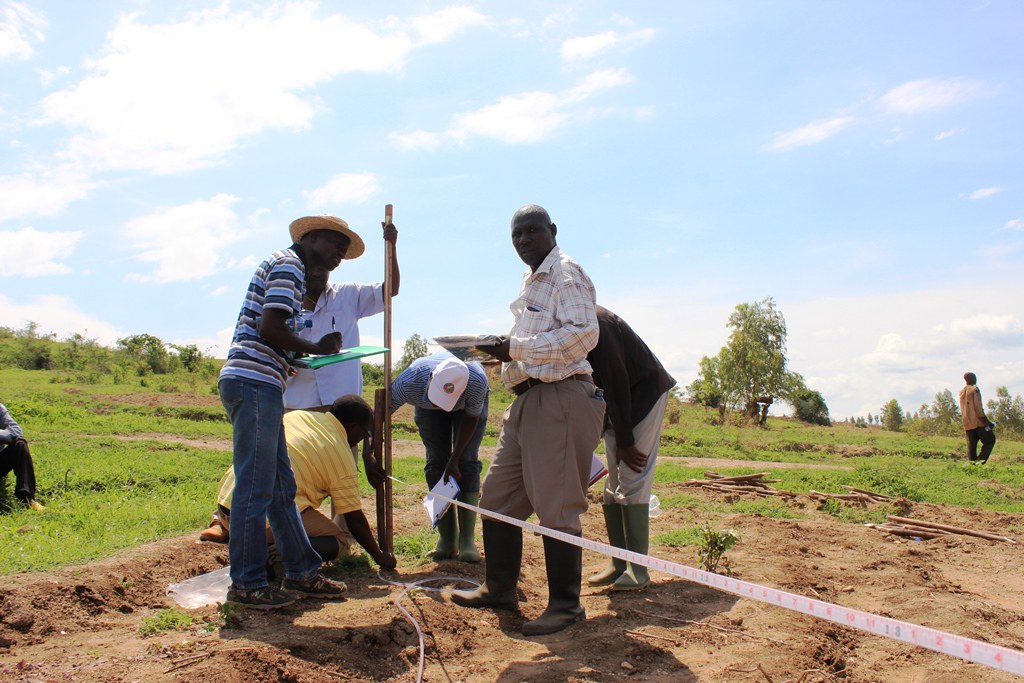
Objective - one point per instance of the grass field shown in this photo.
(105, 491)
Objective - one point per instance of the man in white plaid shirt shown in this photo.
(548, 434)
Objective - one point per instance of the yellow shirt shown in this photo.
(323, 462)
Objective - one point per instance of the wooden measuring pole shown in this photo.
(389, 257)
(377, 449)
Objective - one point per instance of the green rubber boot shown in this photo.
(638, 533)
(446, 527)
(616, 537)
(467, 528)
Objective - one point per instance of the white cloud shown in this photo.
(994, 330)
(344, 189)
(946, 134)
(440, 26)
(47, 194)
(48, 76)
(985, 193)
(811, 134)
(149, 104)
(218, 291)
(57, 315)
(588, 47)
(20, 28)
(31, 253)
(1015, 224)
(894, 354)
(910, 98)
(523, 118)
(927, 94)
(184, 242)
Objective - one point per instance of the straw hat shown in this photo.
(306, 224)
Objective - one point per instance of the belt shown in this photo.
(526, 385)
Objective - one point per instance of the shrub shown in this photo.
(810, 407)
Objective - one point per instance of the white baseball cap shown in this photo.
(447, 382)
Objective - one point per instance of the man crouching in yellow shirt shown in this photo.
(322, 451)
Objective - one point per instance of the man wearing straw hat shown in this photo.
(251, 384)
(548, 434)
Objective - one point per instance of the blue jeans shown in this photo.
(264, 487)
(438, 430)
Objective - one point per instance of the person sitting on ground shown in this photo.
(14, 455)
(977, 426)
(450, 400)
(322, 452)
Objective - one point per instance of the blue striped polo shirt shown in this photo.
(411, 386)
(279, 282)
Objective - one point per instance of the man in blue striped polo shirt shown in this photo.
(450, 399)
(251, 386)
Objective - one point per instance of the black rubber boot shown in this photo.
(503, 555)
(564, 564)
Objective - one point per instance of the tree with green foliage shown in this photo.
(1007, 412)
(707, 389)
(892, 415)
(415, 347)
(809, 406)
(145, 354)
(373, 374)
(190, 357)
(751, 368)
(945, 411)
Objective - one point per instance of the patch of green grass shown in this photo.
(105, 493)
(680, 538)
(164, 620)
(417, 546)
(853, 513)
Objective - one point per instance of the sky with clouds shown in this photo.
(861, 163)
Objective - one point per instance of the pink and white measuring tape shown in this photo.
(976, 651)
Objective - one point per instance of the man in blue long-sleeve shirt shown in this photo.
(14, 455)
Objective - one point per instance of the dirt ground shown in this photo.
(83, 623)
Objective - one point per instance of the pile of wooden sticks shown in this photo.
(744, 483)
(923, 529)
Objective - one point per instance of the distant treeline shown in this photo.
(942, 416)
(137, 355)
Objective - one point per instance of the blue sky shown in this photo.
(860, 162)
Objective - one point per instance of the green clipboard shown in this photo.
(314, 362)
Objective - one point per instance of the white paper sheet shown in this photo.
(436, 507)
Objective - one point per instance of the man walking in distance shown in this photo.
(976, 425)
(449, 399)
(548, 434)
(636, 390)
(251, 386)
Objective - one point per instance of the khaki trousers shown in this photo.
(542, 463)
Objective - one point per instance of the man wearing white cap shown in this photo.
(450, 399)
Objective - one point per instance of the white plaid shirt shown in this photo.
(556, 324)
